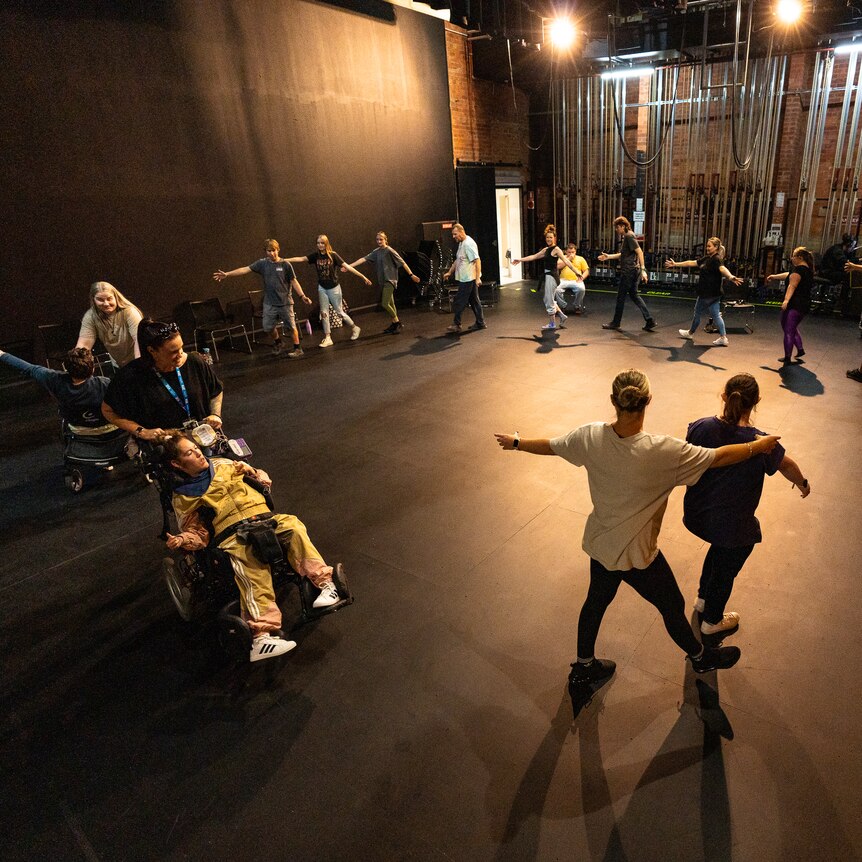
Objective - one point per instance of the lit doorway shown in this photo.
(509, 233)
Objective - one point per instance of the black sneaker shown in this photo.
(598, 670)
(610, 325)
(649, 326)
(586, 680)
(397, 327)
(715, 658)
(276, 347)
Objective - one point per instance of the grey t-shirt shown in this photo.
(628, 253)
(277, 277)
(388, 261)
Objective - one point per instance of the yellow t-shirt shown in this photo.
(579, 264)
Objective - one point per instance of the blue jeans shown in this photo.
(468, 294)
(327, 297)
(627, 286)
(713, 303)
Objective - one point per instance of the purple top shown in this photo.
(720, 508)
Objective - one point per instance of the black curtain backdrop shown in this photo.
(477, 211)
(148, 144)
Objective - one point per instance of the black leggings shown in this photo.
(720, 567)
(655, 583)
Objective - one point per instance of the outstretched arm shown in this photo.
(777, 276)
(221, 275)
(535, 446)
(679, 264)
(529, 257)
(790, 470)
(728, 274)
(356, 272)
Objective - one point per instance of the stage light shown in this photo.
(562, 33)
(849, 48)
(788, 11)
(629, 72)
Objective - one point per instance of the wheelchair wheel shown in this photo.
(178, 588)
(234, 635)
(339, 578)
(74, 481)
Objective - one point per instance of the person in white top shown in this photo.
(631, 474)
(112, 319)
(467, 269)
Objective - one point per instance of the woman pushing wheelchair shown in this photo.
(217, 488)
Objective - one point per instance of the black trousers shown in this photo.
(655, 583)
(720, 567)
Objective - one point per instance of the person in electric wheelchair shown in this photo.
(217, 504)
(89, 441)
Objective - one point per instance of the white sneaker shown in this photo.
(721, 341)
(728, 623)
(266, 646)
(355, 334)
(684, 333)
(327, 341)
(328, 596)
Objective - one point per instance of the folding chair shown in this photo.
(212, 322)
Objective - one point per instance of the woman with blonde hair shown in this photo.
(709, 289)
(328, 262)
(797, 299)
(550, 275)
(112, 319)
(631, 474)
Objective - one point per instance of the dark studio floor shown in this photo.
(429, 720)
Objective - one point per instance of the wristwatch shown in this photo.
(516, 442)
(138, 431)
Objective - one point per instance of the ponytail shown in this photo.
(741, 395)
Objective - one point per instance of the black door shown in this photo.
(477, 211)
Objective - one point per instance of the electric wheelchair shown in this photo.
(83, 453)
(201, 583)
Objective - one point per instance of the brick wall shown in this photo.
(486, 126)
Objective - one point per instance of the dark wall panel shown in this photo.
(477, 211)
(151, 144)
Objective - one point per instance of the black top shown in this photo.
(720, 508)
(137, 393)
(549, 261)
(709, 285)
(629, 252)
(801, 299)
(327, 268)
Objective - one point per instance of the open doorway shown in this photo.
(509, 233)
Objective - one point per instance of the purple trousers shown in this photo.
(790, 320)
